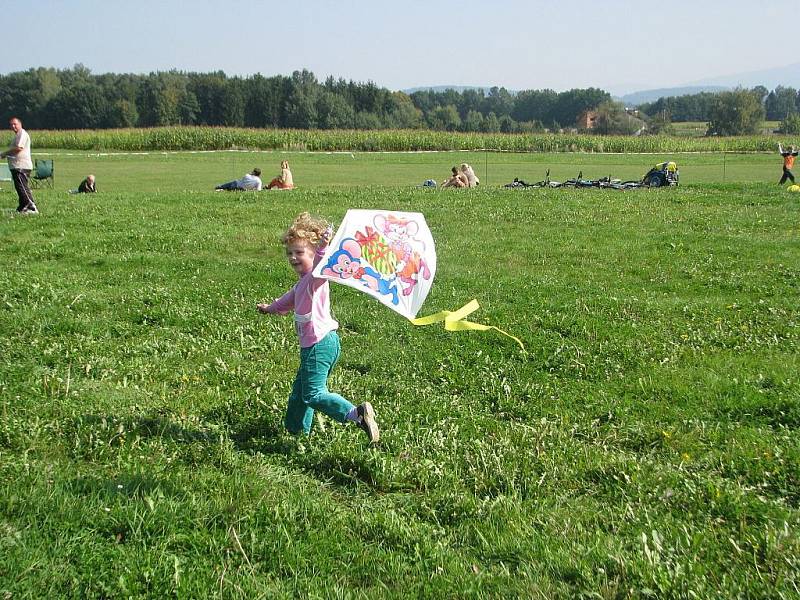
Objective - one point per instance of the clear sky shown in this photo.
(618, 45)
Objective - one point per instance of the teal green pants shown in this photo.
(310, 388)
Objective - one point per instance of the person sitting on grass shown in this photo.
(87, 186)
(251, 181)
(458, 180)
(283, 181)
(305, 243)
(472, 179)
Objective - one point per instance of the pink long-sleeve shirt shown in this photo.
(310, 300)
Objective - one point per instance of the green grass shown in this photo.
(697, 129)
(161, 172)
(645, 446)
(690, 128)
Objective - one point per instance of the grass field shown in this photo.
(645, 446)
(699, 128)
(199, 171)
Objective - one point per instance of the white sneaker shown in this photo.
(367, 421)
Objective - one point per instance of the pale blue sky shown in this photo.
(618, 45)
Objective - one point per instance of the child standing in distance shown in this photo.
(305, 243)
(788, 162)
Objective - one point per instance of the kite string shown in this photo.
(454, 321)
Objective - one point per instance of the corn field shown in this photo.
(223, 138)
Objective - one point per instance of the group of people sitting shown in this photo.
(463, 176)
(252, 181)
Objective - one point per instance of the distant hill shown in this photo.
(637, 98)
(788, 76)
(632, 99)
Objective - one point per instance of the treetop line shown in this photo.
(47, 98)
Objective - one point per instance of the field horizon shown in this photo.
(200, 170)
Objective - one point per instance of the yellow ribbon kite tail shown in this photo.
(454, 321)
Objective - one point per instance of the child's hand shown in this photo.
(262, 308)
(327, 235)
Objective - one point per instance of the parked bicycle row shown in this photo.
(663, 174)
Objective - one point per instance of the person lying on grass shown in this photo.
(251, 181)
(305, 243)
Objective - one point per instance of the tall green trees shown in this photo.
(738, 112)
(690, 107)
(334, 112)
(780, 103)
(535, 105)
(445, 118)
(164, 99)
(572, 103)
(81, 106)
(613, 119)
(24, 94)
(76, 98)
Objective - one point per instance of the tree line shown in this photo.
(736, 112)
(778, 104)
(48, 98)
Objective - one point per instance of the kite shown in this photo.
(391, 256)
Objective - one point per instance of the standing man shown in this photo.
(788, 162)
(20, 165)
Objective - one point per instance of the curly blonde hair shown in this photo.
(305, 228)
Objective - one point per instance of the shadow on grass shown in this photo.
(345, 471)
(260, 436)
(115, 431)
